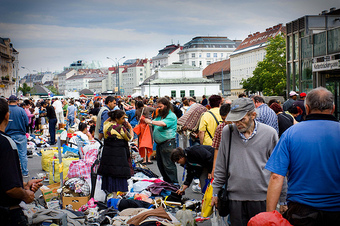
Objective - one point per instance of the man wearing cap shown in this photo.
(300, 104)
(251, 145)
(16, 129)
(288, 103)
(309, 154)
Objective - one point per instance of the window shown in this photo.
(200, 63)
(215, 54)
(141, 74)
(141, 69)
(182, 93)
(193, 63)
(221, 54)
(192, 93)
(193, 55)
(173, 93)
(208, 54)
(200, 55)
(208, 62)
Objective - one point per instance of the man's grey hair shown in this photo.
(319, 99)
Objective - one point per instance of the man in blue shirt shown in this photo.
(16, 129)
(110, 104)
(310, 153)
(265, 114)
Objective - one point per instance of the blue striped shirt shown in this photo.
(267, 116)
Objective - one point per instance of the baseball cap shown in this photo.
(239, 108)
(12, 97)
(303, 94)
(292, 93)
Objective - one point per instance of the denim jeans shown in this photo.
(166, 167)
(51, 127)
(70, 122)
(21, 142)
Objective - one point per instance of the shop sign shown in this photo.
(326, 66)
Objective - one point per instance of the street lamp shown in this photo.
(117, 73)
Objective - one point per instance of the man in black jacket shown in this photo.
(52, 120)
(197, 160)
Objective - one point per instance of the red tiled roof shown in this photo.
(217, 68)
(258, 38)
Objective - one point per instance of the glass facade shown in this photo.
(333, 38)
(320, 44)
(290, 76)
(290, 48)
(306, 75)
(296, 46)
(296, 76)
(306, 48)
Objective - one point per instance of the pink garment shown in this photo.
(29, 115)
(157, 180)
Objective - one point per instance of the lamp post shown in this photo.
(117, 72)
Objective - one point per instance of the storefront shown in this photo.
(313, 54)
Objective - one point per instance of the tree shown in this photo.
(270, 74)
(53, 90)
(24, 89)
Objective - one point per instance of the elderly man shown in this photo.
(164, 134)
(251, 145)
(310, 153)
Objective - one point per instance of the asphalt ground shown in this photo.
(34, 167)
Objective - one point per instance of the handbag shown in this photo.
(223, 200)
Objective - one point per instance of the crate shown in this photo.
(76, 202)
(50, 192)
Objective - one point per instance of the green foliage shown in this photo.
(24, 89)
(270, 74)
(53, 90)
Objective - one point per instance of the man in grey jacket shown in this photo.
(252, 143)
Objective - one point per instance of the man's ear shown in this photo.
(333, 109)
(307, 109)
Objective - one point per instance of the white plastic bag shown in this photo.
(217, 220)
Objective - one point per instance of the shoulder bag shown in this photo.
(223, 200)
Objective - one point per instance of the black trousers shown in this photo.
(242, 211)
(12, 217)
(300, 214)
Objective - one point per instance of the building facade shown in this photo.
(134, 75)
(99, 84)
(166, 56)
(79, 82)
(179, 80)
(220, 72)
(313, 54)
(202, 51)
(61, 79)
(8, 68)
(244, 59)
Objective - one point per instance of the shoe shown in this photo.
(149, 163)
(195, 188)
(25, 176)
(196, 181)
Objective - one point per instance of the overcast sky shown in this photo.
(52, 34)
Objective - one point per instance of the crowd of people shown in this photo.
(284, 154)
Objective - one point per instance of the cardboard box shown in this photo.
(76, 202)
(50, 192)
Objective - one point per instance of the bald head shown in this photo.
(320, 100)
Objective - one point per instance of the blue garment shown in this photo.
(21, 142)
(267, 116)
(132, 117)
(18, 121)
(310, 152)
(104, 117)
(71, 109)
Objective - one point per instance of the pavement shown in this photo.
(34, 167)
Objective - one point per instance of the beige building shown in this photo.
(8, 68)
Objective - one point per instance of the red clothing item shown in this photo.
(145, 142)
